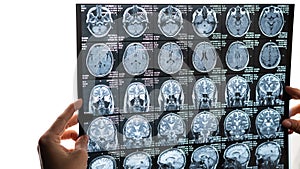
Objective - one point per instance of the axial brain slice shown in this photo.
(267, 123)
(171, 159)
(171, 96)
(204, 93)
(236, 125)
(236, 156)
(204, 21)
(271, 21)
(237, 92)
(136, 98)
(238, 21)
(101, 101)
(204, 157)
(170, 58)
(99, 21)
(269, 56)
(237, 56)
(103, 162)
(138, 160)
(204, 57)
(268, 155)
(170, 21)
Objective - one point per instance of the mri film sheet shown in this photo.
(175, 86)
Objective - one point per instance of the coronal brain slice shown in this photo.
(237, 92)
(268, 90)
(237, 56)
(99, 60)
(238, 21)
(170, 21)
(170, 58)
(268, 155)
(99, 21)
(204, 126)
(171, 128)
(171, 159)
(101, 100)
(135, 21)
(271, 21)
(236, 156)
(137, 132)
(138, 160)
(204, 21)
(267, 123)
(269, 56)
(204, 157)
(204, 93)
(204, 57)
(236, 125)
(135, 59)
(103, 162)
(171, 96)
(136, 98)
(103, 134)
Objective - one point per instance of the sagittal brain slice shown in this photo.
(268, 90)
(136, 98)
(170, 58)
(204, 126)
(204, 94)
(204, 157)
(271, 21)
(99, 60)
(268, 155)
(204, 21)
(269, 56)
(237, 92)
(138, 160)
(173, 158)
(237, 21)
(137, 132)
(102, 134)
(267, 123)
(135, 59)
(237, 56)
(170, 21)
(236, 125)
(171, 96)
(135, 21)
(99, 21)
(101, 100)
(236, 156)
(204, 57)
(103, 162)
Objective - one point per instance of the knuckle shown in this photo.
(44, 140)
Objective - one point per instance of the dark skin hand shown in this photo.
(55, 156)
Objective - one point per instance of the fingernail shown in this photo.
(78, 104)
(287, 123)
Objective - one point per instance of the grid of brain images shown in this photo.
(184, 86)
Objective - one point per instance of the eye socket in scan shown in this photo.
(170, 21)
(238, 21)
(204, 21)
(271, 21)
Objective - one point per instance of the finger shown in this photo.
(295, 110)
(69, 134)
(81, 143)
(292, 125)
(293, 92)
(73, 121)
(59, 125)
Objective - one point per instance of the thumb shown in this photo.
(81, 143)
(292, 125)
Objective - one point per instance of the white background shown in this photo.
(37, 68)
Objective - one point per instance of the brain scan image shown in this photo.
(99, 21)
(137, 132)
(268, 155)
(170, 96)
(204, 57)
(135, 21)
(204, 21)
(99, 60)
(236, 125)
(237, 21)
(136, 98)
(170, 58)
(205, 157)
(173, 158)
(135, 59)
(170, 21)
(237, 92)
(271, 21)
(102, 134)
(236, 156)
(204, 93)
(170, 129)
(268, 90)
(267, 123)
(237, 56)
(103, 162)
(101, 100)
(269, 57)
(137, 160)
(205, 125)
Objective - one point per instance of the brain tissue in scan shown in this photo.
(269, 57)
(101, 100)
(271, 21)
(236, 125)
(170, 58)
(237, 56)
(267, 123)
(173, 158)
(237, 21)
(99, 21)
(137, 160)
(268, 155)
(136, 98)
(204, 21)
(204, 157)
(204, 93)
(103, 162)
(237, 92)
(204, 57)
(135, 21)
(170, 21)
(236, 156)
